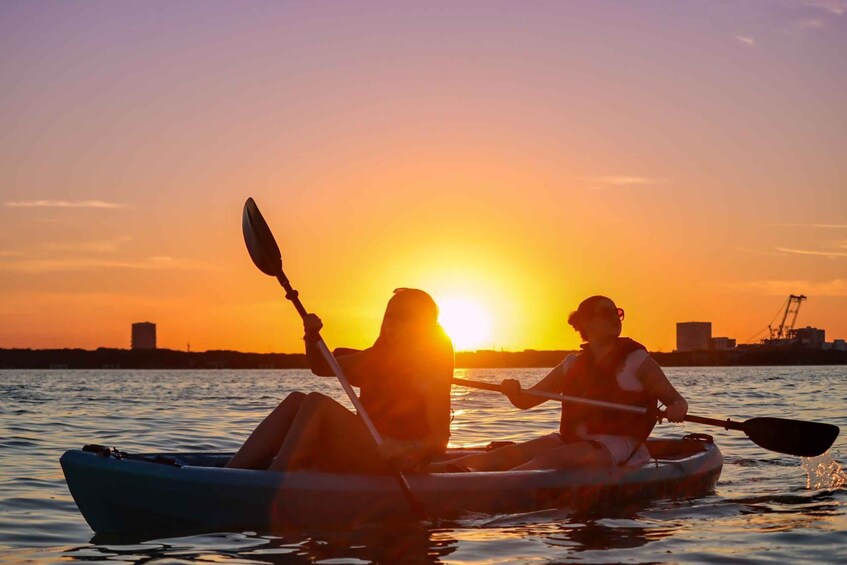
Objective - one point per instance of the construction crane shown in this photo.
(792, 307)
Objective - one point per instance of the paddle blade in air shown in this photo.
(260, 241)
(792, 437)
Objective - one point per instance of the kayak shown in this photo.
(178, 493)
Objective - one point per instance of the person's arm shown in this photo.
(553, 382)
(351, 361)
(656, 383)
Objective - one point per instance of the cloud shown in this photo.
(174, 263)
(62, 204)
(623, 181)
(101, 246)
(812, 23)
(40, 266)
(831, 254)
(752, 251)
(835, 287)
(812, 15)
(746, 40)
(834, 7)
(824, 226)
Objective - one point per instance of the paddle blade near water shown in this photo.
(792, 437)
(260, 241)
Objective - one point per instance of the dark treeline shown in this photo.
(104, 358)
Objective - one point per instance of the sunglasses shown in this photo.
(610, 313)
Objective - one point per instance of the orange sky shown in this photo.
(686, 161)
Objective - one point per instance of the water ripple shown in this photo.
(762, 509)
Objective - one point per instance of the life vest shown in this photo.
(594, 381)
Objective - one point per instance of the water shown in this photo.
(767, 507)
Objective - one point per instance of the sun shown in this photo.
(466, 322)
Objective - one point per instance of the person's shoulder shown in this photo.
(628, 344)
(442, 350)
(567, 363)
(443, 342)
(631, 350)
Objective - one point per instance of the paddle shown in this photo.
(266, 255)
(792, 437)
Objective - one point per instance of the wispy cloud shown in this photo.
(39, 266)
(834, 7)
(835, 287)
(815, 15)
(753, 251)
(100, 246)
(812, 23)
(832, 254)
(623, 181)
(627, 180)
(62, 204)
(746, 40)
(824, 226)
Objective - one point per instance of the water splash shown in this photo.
(824, 472)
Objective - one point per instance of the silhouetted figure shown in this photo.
(609, 368)
(404, 381)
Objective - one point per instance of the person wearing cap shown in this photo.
(609, 368)
(404, 380)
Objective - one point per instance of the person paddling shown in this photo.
(609, 368)
(404, 381)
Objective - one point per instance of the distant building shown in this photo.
(839, 345)
(693, 336)
(809, 337)
(722, 343)
(143, 335)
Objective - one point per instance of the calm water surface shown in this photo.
(767, 507)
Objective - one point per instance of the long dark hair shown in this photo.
(418, 312)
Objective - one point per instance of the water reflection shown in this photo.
(766, 507)
(577, 533)
(382, 544)
(824, 472)
(609, 534)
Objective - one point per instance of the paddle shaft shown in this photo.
(554, 396)
(726, 424)
(293, 296)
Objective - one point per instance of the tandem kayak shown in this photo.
(122, 494)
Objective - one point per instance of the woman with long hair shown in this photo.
(404, 380)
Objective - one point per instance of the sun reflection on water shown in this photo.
(824, 472)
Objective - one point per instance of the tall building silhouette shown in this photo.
(143, 335)
(693, 336)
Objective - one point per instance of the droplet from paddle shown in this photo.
(824, 472)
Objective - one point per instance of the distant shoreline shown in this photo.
(104, 358)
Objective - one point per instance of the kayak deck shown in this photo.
(191, 492)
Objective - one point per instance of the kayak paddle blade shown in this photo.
(792, 437)
(260, 241)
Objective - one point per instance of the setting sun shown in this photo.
(466, 322)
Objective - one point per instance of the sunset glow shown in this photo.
(684, 159)
(466, 322)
